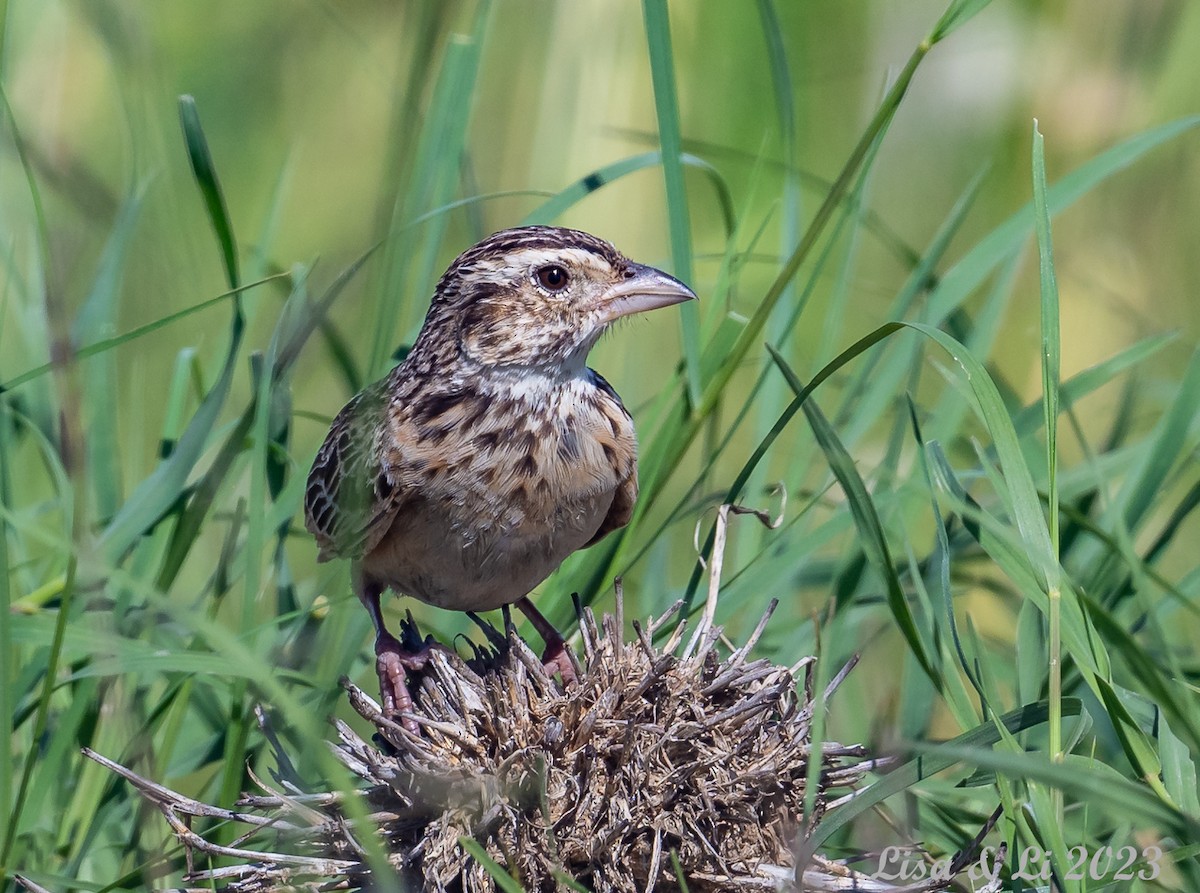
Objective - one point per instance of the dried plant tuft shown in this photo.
(659, 760)
(665, 767)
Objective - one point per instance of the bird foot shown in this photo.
(557, 659)
(393, 663)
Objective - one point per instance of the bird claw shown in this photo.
(393, 689)
(393, 663)
(557, 659)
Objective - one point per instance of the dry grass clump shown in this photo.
(652, 755)
(660, 760)
(663, 767)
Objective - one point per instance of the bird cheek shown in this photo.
(485, 346)
(482, 336)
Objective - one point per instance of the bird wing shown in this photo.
(625, 496)
(621, 509)
(351, 499)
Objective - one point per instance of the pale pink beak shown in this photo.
(644, 288)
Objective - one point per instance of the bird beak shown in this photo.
(645, 289)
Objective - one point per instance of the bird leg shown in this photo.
(393, 662)
(393, 658)
(556, 657)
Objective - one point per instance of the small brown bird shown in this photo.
(492, 452)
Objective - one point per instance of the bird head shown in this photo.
(539, 297)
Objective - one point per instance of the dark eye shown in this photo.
(552, 277)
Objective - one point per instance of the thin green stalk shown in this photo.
(1055, 687)
(666, 104)
(1050, 387)
(8, 663)
(70, 446)
(105, 344)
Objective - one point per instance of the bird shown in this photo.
(491, 452)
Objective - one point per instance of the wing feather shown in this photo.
(621, 509)
(351, 499)
(626, 493)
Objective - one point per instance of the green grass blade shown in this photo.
(1027, 507)
(1134, 741)
(1179, 769)
(61, 753)
(559, 203)
(996, 539)
(289, 352)
(157, 492)
(100, 382)
(868, 402)
(258, 263)
(677, 436)
(496, 872)
(70, 490)
(49, 678)
(1050, 385)
(956, 15)
(205, 173)
(408, 264)
(750, 333)
(866, 520)
(97, 347)
(781, 79)
(977, 264)
(1010, 554)
(9, 670)
(939, 567)
(666, 104)
(1157, 684)
(666, 450)
(1153, 465)
(743, 476)
(780, 329)
(1188, 504)
(1091, 379)
(177, 399)
(938, 759)
(1171, 437)
(1051, 341)
(1030, 636)
(189, 525)
(1137, 565)
(160, 490)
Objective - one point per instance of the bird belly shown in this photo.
(468, 564)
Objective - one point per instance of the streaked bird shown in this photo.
(492, 452)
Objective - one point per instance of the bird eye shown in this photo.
(552, 277)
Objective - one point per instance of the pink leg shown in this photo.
(555, 657)
(392, 664)
(393, 661)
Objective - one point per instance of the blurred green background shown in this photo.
(335, 125)
(309, 111)
(314, 111)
